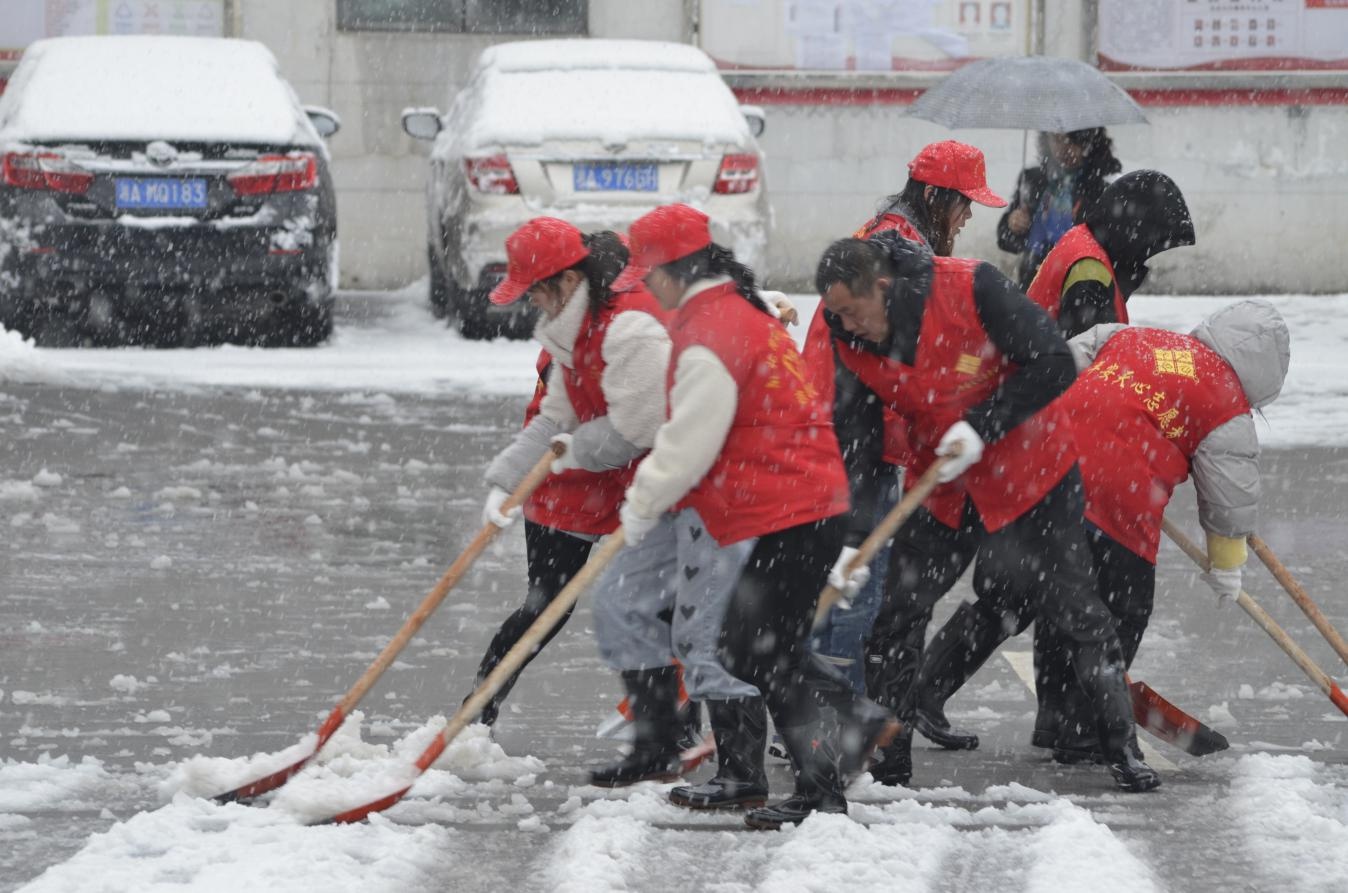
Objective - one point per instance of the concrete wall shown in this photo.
(1267, 183)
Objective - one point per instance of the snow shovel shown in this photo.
(1171, 724)
(885, 530)
(409, 629)
(512, 661)
(1266, 623)
(1300, 596)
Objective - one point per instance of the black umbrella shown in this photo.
(1041, 93)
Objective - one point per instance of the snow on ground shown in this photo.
(410, 353)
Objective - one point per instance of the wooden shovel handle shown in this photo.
(1300, 596)
(1266, 623)
(885, 530)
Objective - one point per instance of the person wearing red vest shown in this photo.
(1153, 407)
(747, 460)
(602, 371)
(944, 179)
(1087, 278)
(951, 345)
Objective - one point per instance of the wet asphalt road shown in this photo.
(235, 558)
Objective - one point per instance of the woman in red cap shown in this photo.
(748, 456)
(944, 180)
(601, 393)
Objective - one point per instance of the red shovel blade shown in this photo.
(1171, 724)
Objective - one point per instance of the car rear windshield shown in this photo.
(613, 105)
(145, 88)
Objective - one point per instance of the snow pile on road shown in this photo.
(56, 783)
(1294, 820)
(194, 845)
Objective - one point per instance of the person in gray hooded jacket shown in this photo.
(1150, 408)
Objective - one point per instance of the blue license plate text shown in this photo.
(615, 176)
(160, 193)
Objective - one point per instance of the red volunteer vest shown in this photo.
(576, 500)
(818, 356)
(890, 220)
(780, 466)
(1076, 244)
(1143, 407)
(956, 368)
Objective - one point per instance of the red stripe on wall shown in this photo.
(850, 96)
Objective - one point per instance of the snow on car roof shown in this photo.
(536, 55)
(151, 87)
(606, 100)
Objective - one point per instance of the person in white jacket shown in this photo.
(602, 378)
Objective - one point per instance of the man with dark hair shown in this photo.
(954, 349)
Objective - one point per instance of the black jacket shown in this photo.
(1137, 217)
(1086, 189)
(1021, 331)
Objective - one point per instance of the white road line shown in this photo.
(1023, 663)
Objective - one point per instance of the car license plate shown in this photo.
(615, 176)
(160, 193)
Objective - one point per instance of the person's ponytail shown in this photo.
(717, 260)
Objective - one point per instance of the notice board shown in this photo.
(1223, 35)
(25, 21)
(860, 35)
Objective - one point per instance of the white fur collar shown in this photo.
(558, 335)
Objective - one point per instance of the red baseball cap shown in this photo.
(631, 274)
(540, 248)
(668, 233)
(958, 166)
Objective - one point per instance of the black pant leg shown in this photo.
(765, 636)
(925, 562)
(554, 557)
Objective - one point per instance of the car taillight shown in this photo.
(45, 170)
(739, 173)
(491, 173)
(276, 173)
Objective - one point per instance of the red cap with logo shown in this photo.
(668, 233)
(543, 247)
(958, 166)
(631, 275)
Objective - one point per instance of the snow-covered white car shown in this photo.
(594, 131)
(165, 190)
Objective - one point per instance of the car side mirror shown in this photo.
(422, 123)
(758, 122)
(325, 121)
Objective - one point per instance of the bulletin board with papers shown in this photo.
(861, 35)
(24, 21)
(1223, 35)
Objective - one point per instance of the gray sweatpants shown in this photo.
(666, 598)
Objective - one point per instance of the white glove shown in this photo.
(635, 527)
(963, 435)
(567, 460)
(780, 306)
(1225, 581)
(491, 511)
(848, 585)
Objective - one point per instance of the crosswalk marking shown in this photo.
(1022, 662)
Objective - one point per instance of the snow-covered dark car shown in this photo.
(597, 132)
(163, 190)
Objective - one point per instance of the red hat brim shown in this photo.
(508, 291)
(984, 196)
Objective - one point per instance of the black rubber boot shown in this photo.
(863, 725)
(1100, 673)
(891, 667)
(818, 786)
(653, 696)
(963, 645)
(894, 762)
(1054, 682)
(1131, 773)
(741, 730)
